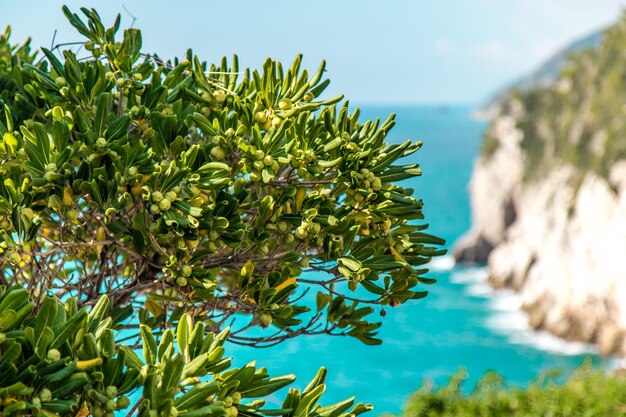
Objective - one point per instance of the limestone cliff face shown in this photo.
(558, 239)
(549, 197)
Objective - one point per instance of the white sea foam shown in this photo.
(507, 318)
(442, 263)
(479, 289)
(471, 275)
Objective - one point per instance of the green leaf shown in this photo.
(149, 344)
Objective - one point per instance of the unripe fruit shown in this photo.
(60, 81)
(123, 402)
(220, 96)
(284, 104)
(267, 125)
(217, 153)
(265, 320)
(283, 226)
(260, 117)
(213, 235)
(171, 195)
(259, 165)
(89, 45)
(259, 154)
(181, 281)
(3, 337)
(165, 204)
(15, 257)
(304, 262)
(45, 395)
(268, 160)
(308, 97)
(229, 132)
(157, 196)
(236, 397)
(276, 121)
(233, 411)
(228, 401)
(101, 143)
(110, 405)
(54, 355)
(97, 412)
(136, 189)
(154, 209)
(111, 391)
(186, 271)
(120, 82)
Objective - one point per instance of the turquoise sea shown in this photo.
(462, 323)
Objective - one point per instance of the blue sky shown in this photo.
(423, 51)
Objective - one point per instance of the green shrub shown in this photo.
(191, 192)
(588, 393)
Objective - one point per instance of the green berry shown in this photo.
(54, 355)
(260, 117)
(265, 320)
(110, 405)
(236, 397)
(186, 271)
(45, 394)
(171, 195)
(101, 143)
(181, 281)
(217, 153)
(268, 160)
(284, 104)
(165, 204)
(111, 391)
(154, 209)
(123, 402)
(157, 196)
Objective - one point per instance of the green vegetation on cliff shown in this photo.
(587, 393)
(580, 118)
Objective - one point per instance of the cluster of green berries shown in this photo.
(162, 202)
(229, 404)
(181, 275)
(105, 403)
(308, 229)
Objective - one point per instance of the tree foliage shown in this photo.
(190, 192)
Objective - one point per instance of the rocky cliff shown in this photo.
(549, 198)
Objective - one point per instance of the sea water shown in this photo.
(462, 323)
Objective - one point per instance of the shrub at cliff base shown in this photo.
(191, 195)
(587, 393)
